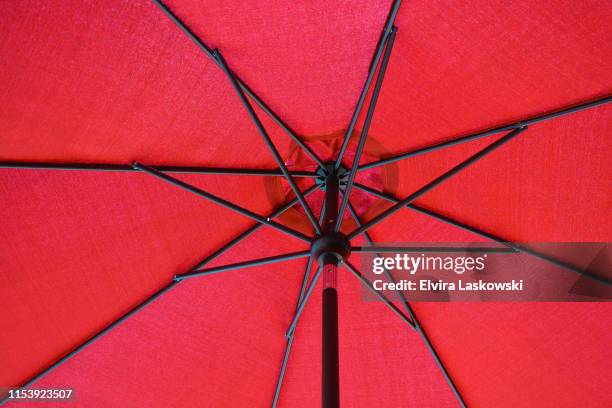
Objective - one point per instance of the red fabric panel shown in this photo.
(551, 183)
(525, 354)
(117, 82)
(459, 67)
(519, 354)
(211, 341)
(513, 354)
(308, 59)
(78, 249)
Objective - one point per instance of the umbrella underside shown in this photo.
(102, 247)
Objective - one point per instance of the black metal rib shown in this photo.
(209, 52)
(167, 169)
(461, 166)
(303, 287)
(485, 133)
(366, 86)
(436, 356)
(95, 337)
(269, 143)
(438, 250)
(519, 248)
(493, 237)
(281, 375)
(419, 328)
(256, 226)
(378, 294)
(243, 265)
(221, 202)
(415, 324)
(370, 241)
(302, 304)
(366, 127)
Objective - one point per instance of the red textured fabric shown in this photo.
(116, 81)
(80, 248)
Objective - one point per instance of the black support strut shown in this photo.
(440, 179)
(485, 133)
(219, 171)
(218, 200)
(248, 91)
(485, 234)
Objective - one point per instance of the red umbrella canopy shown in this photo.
(90, 245)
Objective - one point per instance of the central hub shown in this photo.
(333, 244)
(323, 173)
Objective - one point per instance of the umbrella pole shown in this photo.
(329, 250)
(330, 372)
